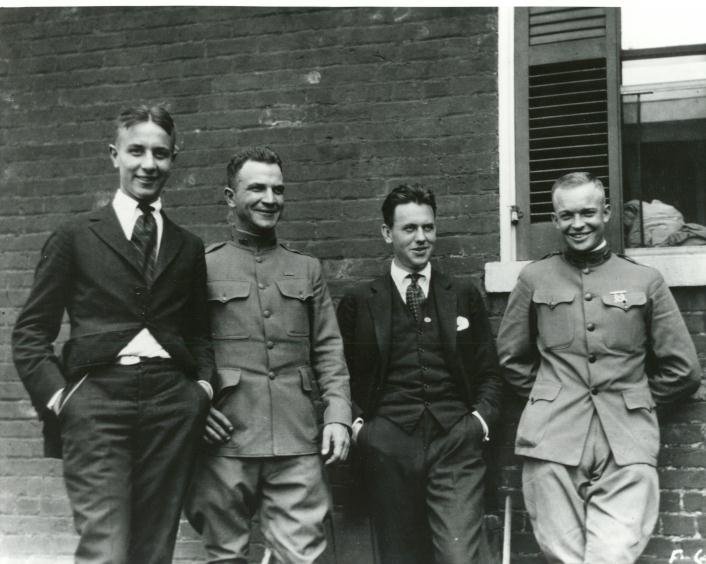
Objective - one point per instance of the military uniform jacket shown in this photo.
(577, 341)
(277, 348)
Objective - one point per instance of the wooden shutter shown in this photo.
(567, 100)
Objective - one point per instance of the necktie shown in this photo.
(144, 237)
(415, 295)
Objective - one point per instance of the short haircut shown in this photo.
(576, 179)
(257, 153)
(157, 114)
(406, 194)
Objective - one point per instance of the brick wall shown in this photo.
(355, 100)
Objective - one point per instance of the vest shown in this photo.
(417, 376)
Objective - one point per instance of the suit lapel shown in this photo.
(446, 303)
(105, 224)
(380, 307)
(172, 241)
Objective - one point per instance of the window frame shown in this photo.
(680, 266)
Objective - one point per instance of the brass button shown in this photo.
(591, 326)
(270, 344)
(586, 270)
(267, 313)
(258, 259)
(271, 375)
(594, 391)
(591, 358)
(588, 296)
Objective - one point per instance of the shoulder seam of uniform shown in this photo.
(629, 259)
(214, 246)
(290, 249)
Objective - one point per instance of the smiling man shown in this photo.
(124, 396)
(575, 339)
(278, 354)
(426, 391)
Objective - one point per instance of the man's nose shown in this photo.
(268, 196)
(420, 234)
(577, 222)
(148, 161)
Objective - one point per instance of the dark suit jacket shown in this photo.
(365, 318)
(90, 269)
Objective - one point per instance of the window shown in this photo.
(578, 81)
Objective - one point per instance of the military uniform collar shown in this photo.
(253, 242)
(590, 259)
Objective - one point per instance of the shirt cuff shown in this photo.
(486, 431)
(53, 403)
(206, 385)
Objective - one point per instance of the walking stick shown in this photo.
(507, 529)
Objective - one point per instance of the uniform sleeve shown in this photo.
(327, 358)
(197, 332)
(517, 348)
(39, 322)
(673, 367)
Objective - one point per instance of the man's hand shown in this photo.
(218, 428)
(335, 441)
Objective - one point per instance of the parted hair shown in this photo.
(406, 194)
(257, 153)
(156, 113)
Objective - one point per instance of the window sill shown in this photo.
(680, 266)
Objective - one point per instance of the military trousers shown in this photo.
(593, 513)
(290, 492)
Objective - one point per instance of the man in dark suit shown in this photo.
(426, 390)
(124, 396)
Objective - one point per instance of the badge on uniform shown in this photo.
(619, 297)
(461, 323)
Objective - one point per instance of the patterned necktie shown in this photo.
(144, 237)
(415, 295)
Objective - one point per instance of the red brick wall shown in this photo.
(355, 100)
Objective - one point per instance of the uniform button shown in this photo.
(588, 296)
(258, 259)
(426, 404)
(591, 358)
(594, 391)
(270, 344)
(586, 270)
(139, 291)
(261, 286)
(591, 326)
(425, 387)
(271, 375)
(267, 313)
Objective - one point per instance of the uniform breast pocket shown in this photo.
(554, 320)
(225, 299)
(296, 294)
(624, 326)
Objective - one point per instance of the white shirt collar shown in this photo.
(127, 211)
(401, 279)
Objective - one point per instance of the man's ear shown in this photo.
(113, 150)
(606, 212)
(229, 195)
(555, 220)
(385, 230)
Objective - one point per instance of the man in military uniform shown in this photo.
(278, 348)
(576, 337)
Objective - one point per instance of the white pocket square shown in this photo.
(461, 323)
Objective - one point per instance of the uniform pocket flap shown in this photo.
(546, 391)
(298, 288)
(624, 300)
(226, 290)
(638, 399)
(306, 375)
(227, 378)
(552, 299)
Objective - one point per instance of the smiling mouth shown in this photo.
(147, 179)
